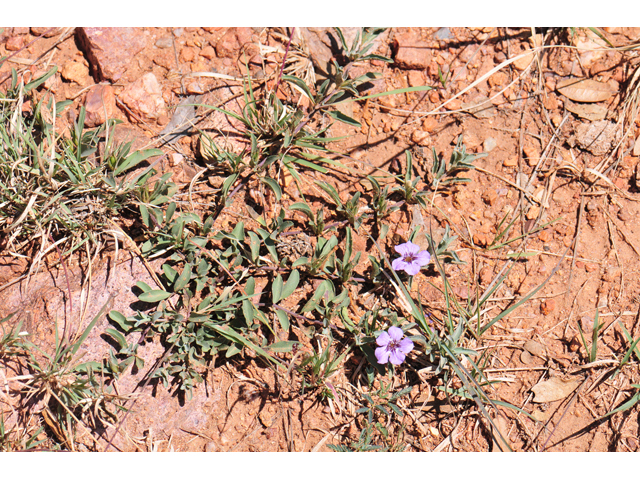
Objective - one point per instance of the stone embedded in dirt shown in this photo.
(411, 51)
(480, 106)
(636, 148)
(164, 42)
(415, 78)
(524, 60)
(548, 306)
(187, 54)
(481, 239)
(76, 72)
(489, 144)
(100, 105)
(47, 32)
(598, 137)
(490, 196)
(420, 137)
(110, 50)
(510, 161)
(15, 43)
(554, 389)
(144, 98)
(444, 34)
(545, 236)
(208, 52)
(497, 79)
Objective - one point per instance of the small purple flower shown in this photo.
(412, 258)
(393, 347)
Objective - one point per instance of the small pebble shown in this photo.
(489, 144)
(164, 42)
(548, 306)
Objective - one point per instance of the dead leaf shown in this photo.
(535, 348)
(585, 90)
(554, 389)
(592, 112)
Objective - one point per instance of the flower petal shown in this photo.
(399, 264)
(406, 345)
(383, 339)
(396, 357)
(422, 258)
(408, 248)
(382, 355)
(412, 268)
(395, 333)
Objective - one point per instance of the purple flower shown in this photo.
(393, 347)
(412, 258)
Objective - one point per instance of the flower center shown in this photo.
(410, 258)
(393, 345)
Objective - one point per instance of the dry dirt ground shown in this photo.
(562, 155)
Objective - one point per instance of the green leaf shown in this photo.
(248, 312)
(302, 207)
(341, 117)
(300, 84)
(273, 185)
(39, 81)
(121, 320)
(170, 272)
(283, 346)
(292, 284)
(154, 296)
(135, 158)
(284, 319)
(143, 286)
(184, 278)
(118, 337)
(276, 289)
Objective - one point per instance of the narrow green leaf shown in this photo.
(344, 118)
(154, 296)
(273, 185)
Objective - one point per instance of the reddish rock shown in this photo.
(228, 45)
(76, 72)
(144, 98)
(100, 105)
(15, 43)
(47, 32)
(110, 50)
(187, 54)
(411, 52)
(208, 52)
(548, 306)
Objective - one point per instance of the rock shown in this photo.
(411, 52)
(46, 32)
(164, 42)
(144, 98)
(480, 106)
(415, 78)
(548, 306)
(420, 137)
(545, 236)
(15, 43)
(481, 239)
(228, 44)
(187, 54)
(525, 60)
(489, 196)
(76, 72)
(100, 105)
(208, 52)
(497, 79)
(444, 34)
(510, 161)
(489, 144)
(598, 137)
(110, 49)
(636, 148)
(486, 275)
